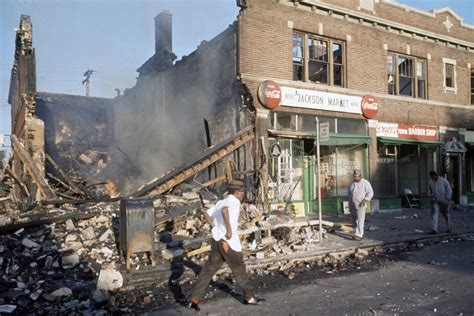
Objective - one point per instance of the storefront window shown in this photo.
(354, 127)
(349, 157)
(309, 124)
(286, 171)
(285, 121)
(404, 166)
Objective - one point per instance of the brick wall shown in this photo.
(265, 44)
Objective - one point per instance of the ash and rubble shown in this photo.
(67, 259)
(71, 262)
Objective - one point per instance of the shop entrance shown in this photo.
(293, 182)
(452, 165)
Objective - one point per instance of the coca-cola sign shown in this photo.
(269, 94)
(369, 106)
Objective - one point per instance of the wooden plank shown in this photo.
(178, 212)
(18, 181)
(35, 172)
(287, 225)
(212, 155)
(198, 251)
(59, 219)
(213, 181)
(75, 201)
(71, 184)
(228, 169)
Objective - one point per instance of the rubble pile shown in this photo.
(60, 268)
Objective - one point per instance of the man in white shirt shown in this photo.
(360, 194)
(440, 192)
(226, 247)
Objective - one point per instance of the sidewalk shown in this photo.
(384, 228)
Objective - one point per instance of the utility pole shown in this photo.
(87, 74)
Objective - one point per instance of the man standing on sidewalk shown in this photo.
(360, 194)
(226, 247)
(440, 193)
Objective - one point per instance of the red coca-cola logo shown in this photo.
(369, 106)
(269, 94)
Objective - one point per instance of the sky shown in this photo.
(115, 37)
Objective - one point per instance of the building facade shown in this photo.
(392, 83)
(390, 87)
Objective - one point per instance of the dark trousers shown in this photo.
(217, 256)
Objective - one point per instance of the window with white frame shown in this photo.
(406, 76)
(449, 74)
(318, 59)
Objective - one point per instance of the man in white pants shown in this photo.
(440, 192)
(360, 194)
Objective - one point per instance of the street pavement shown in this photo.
(418, 285)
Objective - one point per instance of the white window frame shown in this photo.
(446, 88)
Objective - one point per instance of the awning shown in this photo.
(339, 140)
(334, 139)
(399, 141)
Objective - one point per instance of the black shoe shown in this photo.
(254, 301)
(449, 231)
(433, 232)
(194, 306)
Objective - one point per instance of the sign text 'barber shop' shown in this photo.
(407, 131)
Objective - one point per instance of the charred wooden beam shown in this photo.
(76, 202)
(58, 220)
(18, 181)
(35, 172)
(214, 154)
(129, 160)
(69, 184)
(176, 213)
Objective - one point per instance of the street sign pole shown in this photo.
(319, 181)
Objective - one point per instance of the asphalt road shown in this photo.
(434, 280)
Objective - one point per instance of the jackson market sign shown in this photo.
(407, 131)
(271, 95)
(310, 99)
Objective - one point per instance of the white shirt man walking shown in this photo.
(360, 194)
(440, 192)
(226, 247)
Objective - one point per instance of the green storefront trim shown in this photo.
(328, 205)
(340, 139)
(399, 141)
(470, 197)
(389, 203)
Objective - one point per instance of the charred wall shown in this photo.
(78, 131)
(160, 123)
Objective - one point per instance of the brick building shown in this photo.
(410, 69)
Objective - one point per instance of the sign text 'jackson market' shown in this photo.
(310, 99)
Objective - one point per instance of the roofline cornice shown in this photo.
(316, 5)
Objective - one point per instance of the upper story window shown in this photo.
(406, 76)
(472, 86)
(449, 75)
(319, 60)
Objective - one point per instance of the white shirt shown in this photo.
(359, 191)
(440, 190)
(219, 230)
